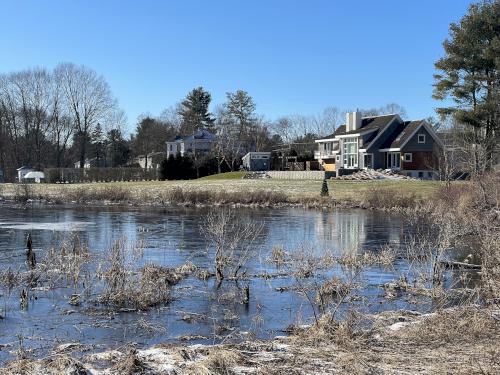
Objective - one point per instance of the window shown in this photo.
(368, 161)
(408, 156)
(350, 153)
(337, 158)
(409, 174)
(421, 138)
(420, 174)
(429, 174)
(394, 160)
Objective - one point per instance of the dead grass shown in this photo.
(217, 362)
(223, 191)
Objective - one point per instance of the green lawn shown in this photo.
(224, 176)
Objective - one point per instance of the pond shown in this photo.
(172, 237)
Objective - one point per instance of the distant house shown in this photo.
(90, 163)
(152, 161)
(257, 161)
(200, 141)
(34, 176)
(21, 172)
(381, 142)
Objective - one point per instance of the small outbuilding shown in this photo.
(257, 161)
(21, 172)
(34, 176)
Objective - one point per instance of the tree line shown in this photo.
(59, 117)
(65, 116)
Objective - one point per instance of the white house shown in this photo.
(34, 177)
(21, 172)
(200, 141)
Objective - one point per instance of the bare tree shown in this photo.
(89, 99)
(233, 238)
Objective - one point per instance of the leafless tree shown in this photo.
(89, 98)
(234, 239)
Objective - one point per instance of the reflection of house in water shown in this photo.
(357, 230)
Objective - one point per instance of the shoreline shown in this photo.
(396, 342)
(238, 193)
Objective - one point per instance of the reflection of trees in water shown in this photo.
(354, 231)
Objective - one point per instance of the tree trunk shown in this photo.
(83, 150)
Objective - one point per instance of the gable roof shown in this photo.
(368, 124)
(201, 134)
(401, 134)
(405, 131)
(24, 167)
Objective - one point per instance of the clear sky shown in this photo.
(291, 56)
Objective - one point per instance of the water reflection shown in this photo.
(171, 238)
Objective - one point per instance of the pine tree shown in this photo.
(194, 112)
(469, 73)
(324, 189)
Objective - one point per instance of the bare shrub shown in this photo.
(233, 238)
(278, 255)
(66, 261)
(141, 289)
(383, 198)
(205, 197)
(218, 361)
(94, 194)
(23, 192)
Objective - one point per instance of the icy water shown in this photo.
(171, 238)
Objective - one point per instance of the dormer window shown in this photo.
(421, 138)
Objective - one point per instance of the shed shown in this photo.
(34, 177)
(257, 161)
(21, 172)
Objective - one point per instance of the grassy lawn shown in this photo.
(232, 182)
(224, 176)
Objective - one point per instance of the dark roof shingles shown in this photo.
(367, 123)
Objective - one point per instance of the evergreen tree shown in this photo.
(194, 112)
(324, 189)
(99, 145)
(240, 108)
(469, 73)
(118, 149)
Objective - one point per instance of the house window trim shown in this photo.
(390, 158)
(408, 160)
(365, 154)
(423, 138)
(350, 158)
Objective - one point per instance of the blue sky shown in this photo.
(291, 56)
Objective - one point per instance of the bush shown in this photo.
(378, 197)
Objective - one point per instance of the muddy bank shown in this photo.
(461, 340)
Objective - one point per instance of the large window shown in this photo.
(350, 152)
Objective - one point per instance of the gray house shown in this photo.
(257, 161)
(381, 142)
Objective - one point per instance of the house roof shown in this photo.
(372, 123)
(34, 175)
(24, 167)
(199, 134)
(401, 134)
